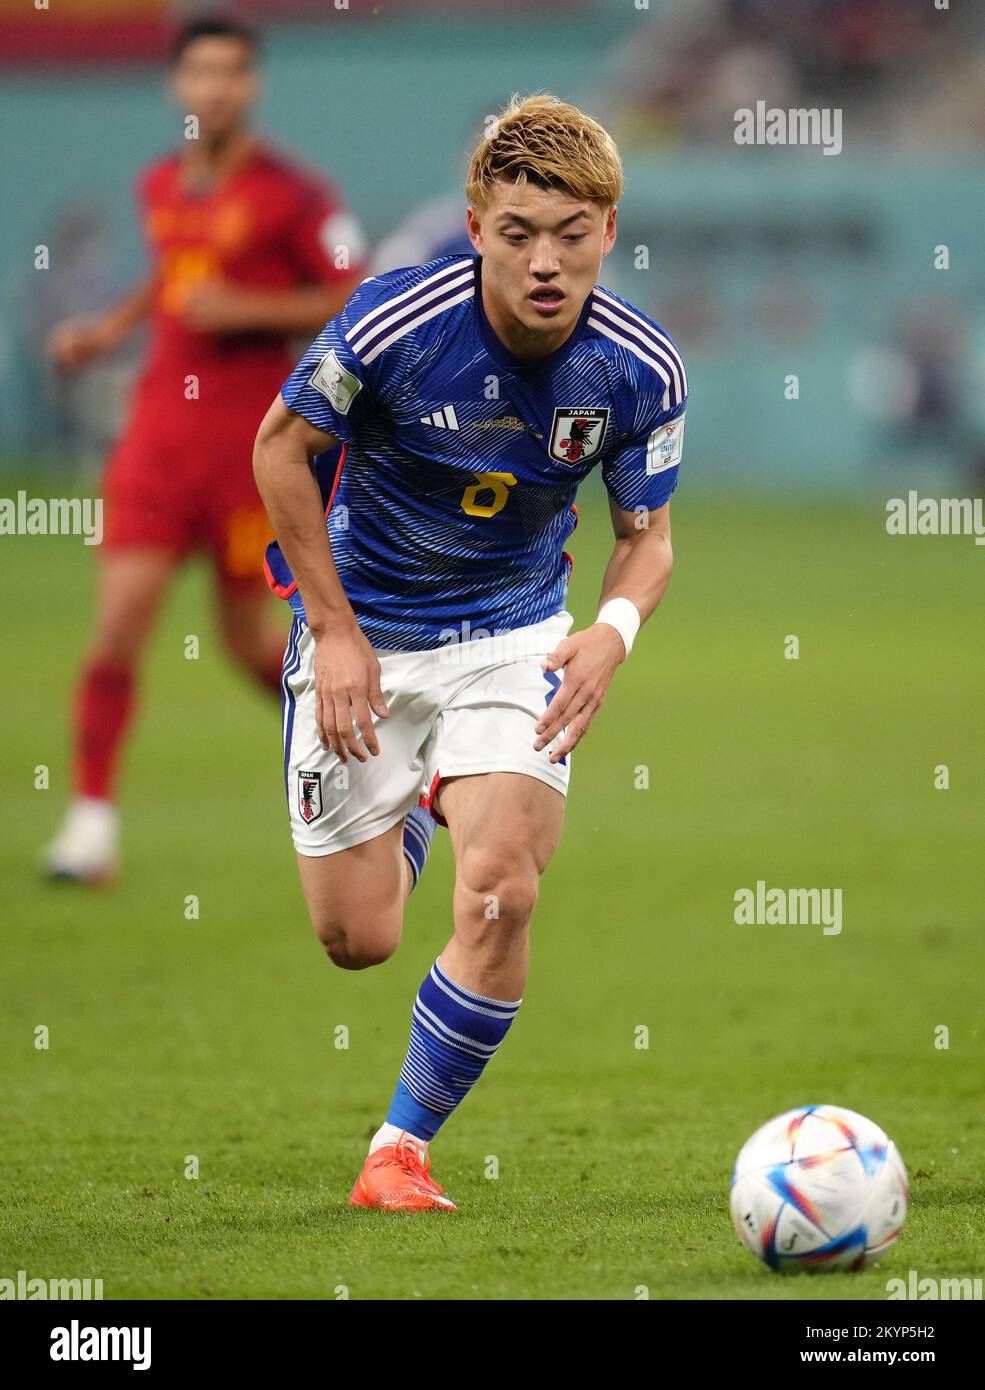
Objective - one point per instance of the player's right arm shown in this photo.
(347, 670)
(330, 397)
(74, 342)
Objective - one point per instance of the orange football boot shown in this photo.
(394, 1178)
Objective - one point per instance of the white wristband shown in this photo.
(624, 616)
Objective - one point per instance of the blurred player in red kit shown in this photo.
(248, 252)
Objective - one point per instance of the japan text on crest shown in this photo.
(577, 435)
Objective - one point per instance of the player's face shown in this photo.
(215, 80)
(541, 254)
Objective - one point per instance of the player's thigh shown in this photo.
(232, 522)
(335, 805)
(347, 818)
(505, 796)
(505, 828)
(132, 582)
(355, 899)
(151, 503)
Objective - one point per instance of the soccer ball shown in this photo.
(818, 1188)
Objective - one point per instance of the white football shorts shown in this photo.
(466, 707)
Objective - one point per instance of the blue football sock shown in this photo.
(418, 829)
(453, 1035)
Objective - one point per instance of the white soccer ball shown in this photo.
(819, 1187)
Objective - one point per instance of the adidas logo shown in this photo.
(445, 418)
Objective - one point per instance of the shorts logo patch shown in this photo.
(577, 435)
(309, 796)
(336, 383)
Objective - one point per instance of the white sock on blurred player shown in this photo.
(86, 847)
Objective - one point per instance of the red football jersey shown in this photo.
(180, 475)
(266, 226)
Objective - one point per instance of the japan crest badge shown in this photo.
(577, 435)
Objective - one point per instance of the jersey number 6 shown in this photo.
(498, 484)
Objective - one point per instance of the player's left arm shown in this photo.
(219, 306)
(638, 571)
(328, 251)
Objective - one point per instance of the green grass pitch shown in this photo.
(216, 1037)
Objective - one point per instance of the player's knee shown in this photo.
(500, 889)
(243, 645)
(357, 955)
(357, 946)
(120, 656)
(117, 644)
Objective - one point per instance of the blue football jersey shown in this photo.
(452, 490)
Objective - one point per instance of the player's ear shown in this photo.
(473, 227)
(609, 235)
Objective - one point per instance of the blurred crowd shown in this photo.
(903, 65)
(912, 78)
(78, 413)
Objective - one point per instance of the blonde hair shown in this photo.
(549, 143)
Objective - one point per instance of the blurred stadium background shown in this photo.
(214, 1036)
(764, 261)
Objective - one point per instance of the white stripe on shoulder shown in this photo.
(671, 363)
(443, 275)
(647, 330)
(416, 322)
(439, 292)
(637, 351)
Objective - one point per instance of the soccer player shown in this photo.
(430, 675)
(248, 252)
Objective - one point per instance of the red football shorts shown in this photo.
(182, 479)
